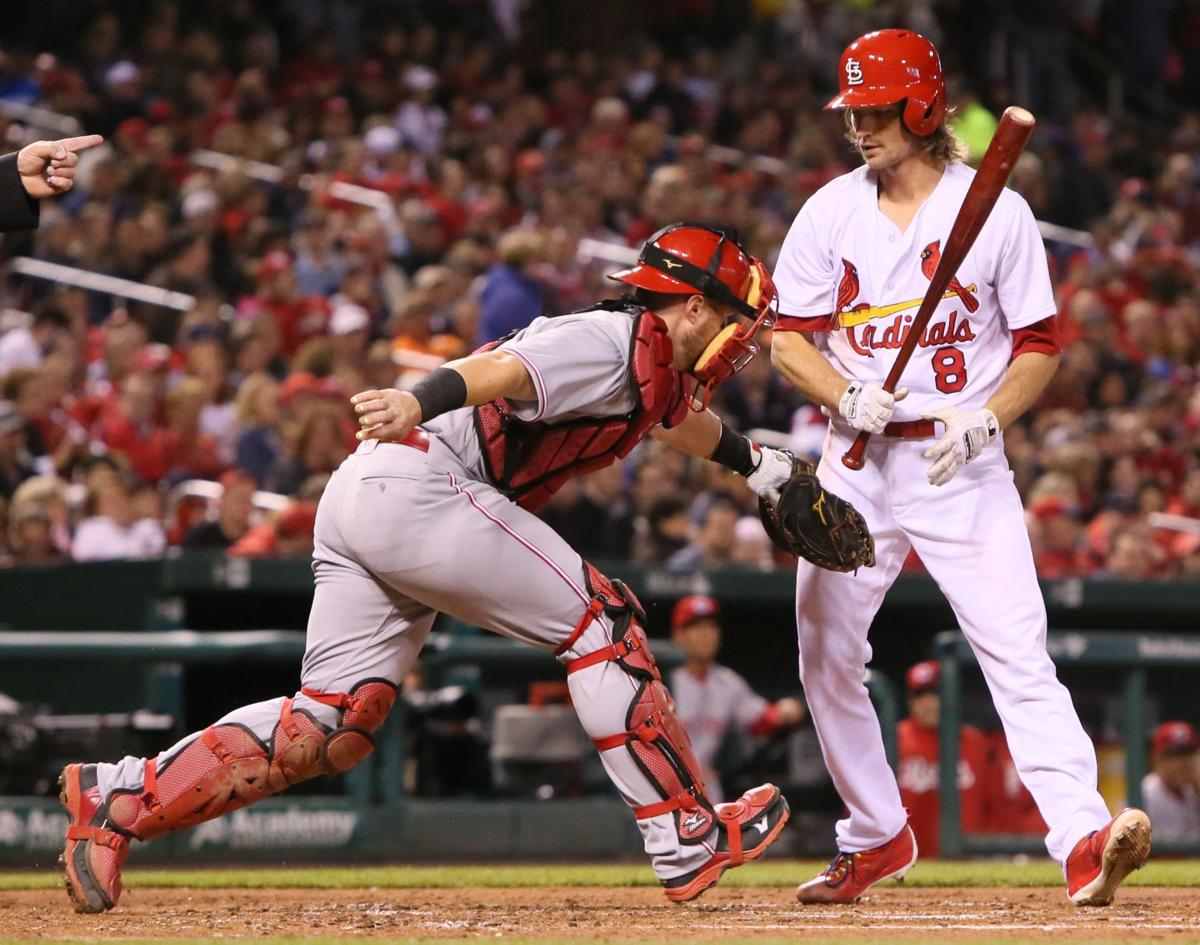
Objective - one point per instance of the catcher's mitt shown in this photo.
(817, 525)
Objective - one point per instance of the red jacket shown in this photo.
(918, 777)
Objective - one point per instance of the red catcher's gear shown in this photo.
(890, 66)
(529, 462)
(659, 746)
(687, 258)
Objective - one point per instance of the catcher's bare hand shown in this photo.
(48, 167)
(386, 415)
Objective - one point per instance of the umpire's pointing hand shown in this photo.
(387, 415)
(48, 167)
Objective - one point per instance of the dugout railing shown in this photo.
(1132, 656)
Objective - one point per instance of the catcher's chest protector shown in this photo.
(529, 462)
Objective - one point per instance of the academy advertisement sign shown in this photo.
(35, 826)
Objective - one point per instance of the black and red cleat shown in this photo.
(745, 828)
(1101, 860)
(93, 855)
(850, 875)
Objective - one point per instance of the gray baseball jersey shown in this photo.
(712, 706)
(403, 533)
(579, 366)
(1174, 817)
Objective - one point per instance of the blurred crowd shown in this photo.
(348, 194)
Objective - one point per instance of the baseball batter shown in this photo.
(438, 517)
(851, 275)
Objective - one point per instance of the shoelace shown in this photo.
(840, 868)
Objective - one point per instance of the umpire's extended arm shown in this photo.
(38, 170)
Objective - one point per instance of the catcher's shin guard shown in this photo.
(92, 857)
(654, 736)
(228, 767)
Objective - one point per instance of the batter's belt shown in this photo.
(909, 429)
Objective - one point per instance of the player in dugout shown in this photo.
(714, 702)
(1172, 788)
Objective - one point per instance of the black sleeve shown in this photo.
(18, 211)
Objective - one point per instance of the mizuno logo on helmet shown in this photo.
(672, 265)
(854, 75)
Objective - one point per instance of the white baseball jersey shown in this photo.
(847, 270)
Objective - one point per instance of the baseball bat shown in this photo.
(1016, 125)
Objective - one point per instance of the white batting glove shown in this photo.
(967, 433)
(868, 406)
(773, 470)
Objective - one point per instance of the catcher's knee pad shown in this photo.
(228, 767)
(653, 733)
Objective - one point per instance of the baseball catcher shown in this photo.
(434, 513)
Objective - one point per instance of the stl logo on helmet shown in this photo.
(854, 75)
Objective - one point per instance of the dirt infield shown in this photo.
(623, 915)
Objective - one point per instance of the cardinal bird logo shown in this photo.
(931, 255)
(848, 289)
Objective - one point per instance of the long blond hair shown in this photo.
(943, 145)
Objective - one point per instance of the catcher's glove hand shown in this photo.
(817, 525)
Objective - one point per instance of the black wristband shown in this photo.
(439, 392)
(733, 450)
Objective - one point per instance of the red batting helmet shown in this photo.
(687, 258)
(890, 66)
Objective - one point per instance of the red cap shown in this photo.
(152, 357)
(692, 608)
(274, 263)
(338, 105)
(1175, 738)
(922, 677)
(135, 129)
(235, 477)
(297, 519)
(1049, 506)
(299, 383)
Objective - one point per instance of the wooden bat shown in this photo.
(1016, 125)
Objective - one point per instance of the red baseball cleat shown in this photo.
(92, 858)
(852, 874)
(745, 828)
(1101, 860)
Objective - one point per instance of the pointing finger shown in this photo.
(79, 143)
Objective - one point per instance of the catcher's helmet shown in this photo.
(890, 66)
(692, 257)
(689, 258)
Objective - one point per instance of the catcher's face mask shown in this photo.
(737, 343)
(710, 261)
